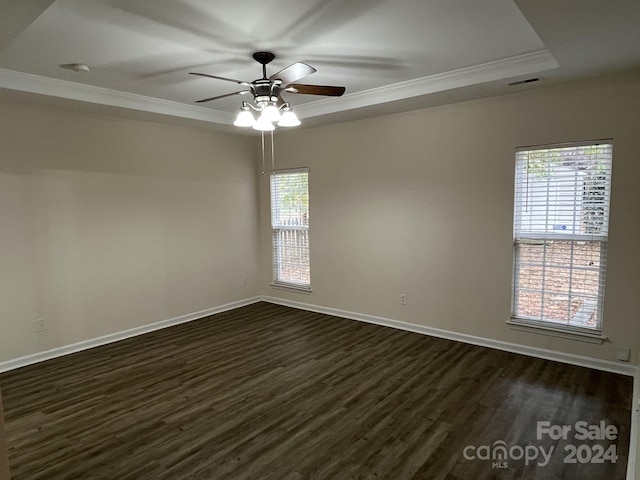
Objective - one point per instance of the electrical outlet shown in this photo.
(623, 354)
(403, 299)
(39, 325)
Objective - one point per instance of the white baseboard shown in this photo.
(605, 365)
(588, 362)
(597, 364)
(578, 360)
(115, 337)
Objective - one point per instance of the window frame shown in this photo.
(521, 238)
(277, 230)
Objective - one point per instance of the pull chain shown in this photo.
(273, 157)
(263, 170)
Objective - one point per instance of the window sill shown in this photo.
(569, 333)
(292, 287)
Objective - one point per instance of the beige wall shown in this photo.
(107, 224)
(421, 203)
(110, 223)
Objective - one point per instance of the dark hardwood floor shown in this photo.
(270, 392)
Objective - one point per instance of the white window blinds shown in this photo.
(561, 222)
(290, 228)
(563, 192)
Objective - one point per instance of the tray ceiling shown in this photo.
(391, 55)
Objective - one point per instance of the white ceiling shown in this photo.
(391, 55)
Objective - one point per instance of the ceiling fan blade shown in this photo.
(239, 82)
(326, 90)
(293, 72)
(241, 92)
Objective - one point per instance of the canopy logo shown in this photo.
(584, 450)
(500, 453)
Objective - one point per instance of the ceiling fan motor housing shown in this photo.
(265, 90)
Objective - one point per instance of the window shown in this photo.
(290, 228)
(561, 220)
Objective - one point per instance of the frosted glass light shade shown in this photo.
(245, 119)
(271, 113)
(289, 119)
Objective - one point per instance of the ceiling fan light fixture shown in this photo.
(266, 93)
(245, 118)
(289, 118)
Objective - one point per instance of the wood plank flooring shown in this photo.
(4, 459)
(270, 392)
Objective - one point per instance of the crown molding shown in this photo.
(526, 64)
(26, 82)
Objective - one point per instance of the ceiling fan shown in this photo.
(267, 92)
